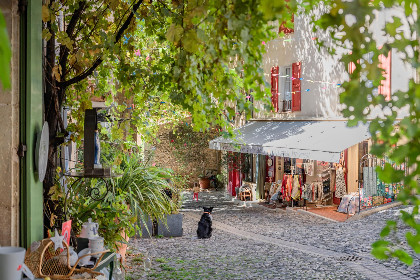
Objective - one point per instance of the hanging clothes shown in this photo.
(340, 189)
(287, 186)
(296, 188)
(318, 191)
(307, 192)
(369, 181)
(332, 180)
(309, 168)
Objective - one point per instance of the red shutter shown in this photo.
(385, 87)
(275, 88)
(351, 67)
(286, 30)
(296, 91)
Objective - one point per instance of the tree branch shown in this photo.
(64, 51)
(75, 17)
(98, 61)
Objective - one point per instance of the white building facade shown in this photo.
(306, 128)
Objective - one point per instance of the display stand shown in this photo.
(92, 167)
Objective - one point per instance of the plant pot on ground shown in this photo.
(172, 227)
(204, 182)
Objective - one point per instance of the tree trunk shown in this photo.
(54, 95)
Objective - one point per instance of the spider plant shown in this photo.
(145, 189)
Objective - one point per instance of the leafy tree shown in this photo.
(173, 56)
(348, 23)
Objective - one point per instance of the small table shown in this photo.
(243, 195)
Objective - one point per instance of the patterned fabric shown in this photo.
(369, 181)
(307, 192)
(349, 204)
(340, 189)
(309, 168)
(296, 188)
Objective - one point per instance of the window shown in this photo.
(385, 64)
(286, 96)
(290, 92)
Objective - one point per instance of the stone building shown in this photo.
(199, 160)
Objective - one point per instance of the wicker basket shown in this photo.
(45, 261)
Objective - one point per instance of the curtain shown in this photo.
(261, 169)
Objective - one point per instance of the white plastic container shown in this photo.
(11, 260)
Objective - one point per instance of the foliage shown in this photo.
(152, 61)
(145, 187)
(348, 23)
(237, 161)
(190, 145)
(198, 56)
(113, 215)
(137, 195)
(5, 54)
(175, 56)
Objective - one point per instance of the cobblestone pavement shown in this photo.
(254, 242)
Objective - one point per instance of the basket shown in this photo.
(45, 261)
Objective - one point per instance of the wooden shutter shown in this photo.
(351, 67)
(296, 91)
(275, 88)
(385, 87)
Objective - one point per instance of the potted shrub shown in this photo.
(147, 188)
(204, 182)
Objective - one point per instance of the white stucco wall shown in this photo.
(9, 136)
(322, 99)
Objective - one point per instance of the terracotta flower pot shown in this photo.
(122, 247)
(204, 182)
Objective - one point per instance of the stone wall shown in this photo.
(9, 136)
(164, 155)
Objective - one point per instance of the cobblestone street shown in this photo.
(254, 242)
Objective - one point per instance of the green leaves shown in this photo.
(190, 41)
(174, 33)
(403, 256)
(392, 27)
(5, 54)
(389, 175)
(390, 225)
(374, 33)
(380, 249)
(271, 9)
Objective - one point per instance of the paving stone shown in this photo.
(259, 243)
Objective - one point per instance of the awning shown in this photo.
(316, 140)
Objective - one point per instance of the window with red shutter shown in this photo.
(296, 89)
(385, 87)
(275, 88)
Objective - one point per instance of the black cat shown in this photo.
(204, 225)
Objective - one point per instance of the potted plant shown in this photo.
(148, 188)
(204, 181)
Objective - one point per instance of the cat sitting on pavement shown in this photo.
(204, 229)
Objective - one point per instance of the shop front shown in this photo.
(302, 162)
